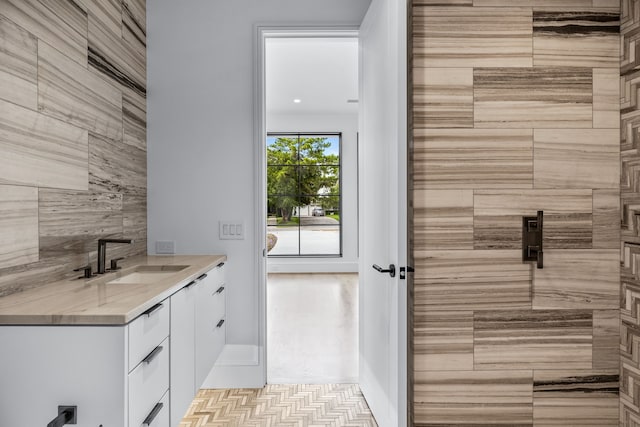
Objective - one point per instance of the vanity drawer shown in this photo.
(147, 331)
(147, 383)
(210, 340)
(159, 414)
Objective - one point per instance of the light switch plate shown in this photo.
(165, 247)
(231, 230)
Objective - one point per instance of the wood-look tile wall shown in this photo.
(630, 205)
(72, 135)
(515, 109)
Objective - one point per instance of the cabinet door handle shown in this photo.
(156, 351)
(204, 276)
(220, 265)
(190, 284)
(220, 323)
(220, 289)
(153, 309)
(153, 414)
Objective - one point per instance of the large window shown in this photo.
(303, 194)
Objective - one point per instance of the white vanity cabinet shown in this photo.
(197, 337)
(144, 373)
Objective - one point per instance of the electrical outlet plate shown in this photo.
(231, 230)
(165, 247)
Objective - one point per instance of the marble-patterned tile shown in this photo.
(567, 158)
(606, 219)
(534, 3)
(575, 398)
(134, 222)
(533, 97)
(41, 151)
(62, 24)
(473, 398)
(606, 98)
(571, 38)
(112, 57)
(442, 341)
(538, 339)
(472, 37)
(442, 98)
(471, 280)
(606, 339)
(116, 167)
(608, 4)
(134, 25)
(578, 279)
(71, 222)
(70, 92)
(473, 158)
(108, 13)
(567, 218)
(18, 65)
(18, 225)
(443, 219)
(442, 2)
(134, 119)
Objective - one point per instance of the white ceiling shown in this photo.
(321, 72)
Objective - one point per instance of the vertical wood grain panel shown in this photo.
(538, 339)
(443, 98)
(471, 280)
(472, 37)
(567, 158)
(18, 225)
(474, 398)
(573, 38)
(580, 279)
(444, 219)
(461, 158)
(579, 398)
(533, 97)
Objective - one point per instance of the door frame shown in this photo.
(261, 33)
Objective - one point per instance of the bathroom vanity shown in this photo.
(128, 348)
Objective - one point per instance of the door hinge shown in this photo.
(404, 271)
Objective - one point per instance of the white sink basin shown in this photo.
(148, 274)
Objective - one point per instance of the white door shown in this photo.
(383, 191)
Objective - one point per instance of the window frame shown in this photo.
(299, 135)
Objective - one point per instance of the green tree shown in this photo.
(297, 170)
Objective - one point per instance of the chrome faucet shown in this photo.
(102, 252)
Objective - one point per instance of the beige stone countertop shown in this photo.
(95, 301)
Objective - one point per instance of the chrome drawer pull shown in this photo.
(220, 289)
(190, 284)
(220, 323)
(153, 414)
(220, 265)
(153, 309)
(156, 351)
(204, 276)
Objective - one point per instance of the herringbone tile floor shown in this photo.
(277, 405)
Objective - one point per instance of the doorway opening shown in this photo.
(311, 206)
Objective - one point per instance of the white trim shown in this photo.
(304, 266)
(261, 32)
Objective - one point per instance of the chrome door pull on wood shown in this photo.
(391, 270)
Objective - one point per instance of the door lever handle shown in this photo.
(391, 270)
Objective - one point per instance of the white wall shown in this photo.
(348, 125)
(201, 128)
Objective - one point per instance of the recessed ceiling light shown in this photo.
(297, 101)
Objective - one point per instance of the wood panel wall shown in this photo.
(630, 196)
(515, 109)
(72, 135)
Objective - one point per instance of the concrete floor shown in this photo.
(312, 328)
